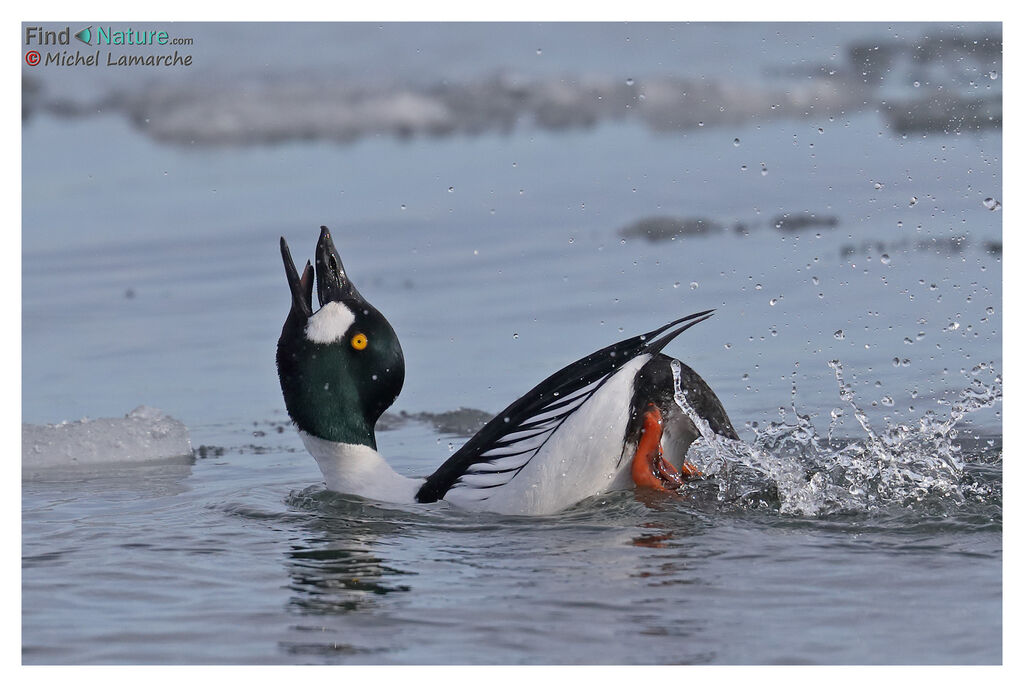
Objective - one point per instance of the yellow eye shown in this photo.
(359, 342)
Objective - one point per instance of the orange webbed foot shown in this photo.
(650, 469)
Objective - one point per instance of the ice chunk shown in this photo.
(144, 435)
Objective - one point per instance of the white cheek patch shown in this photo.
(329, 323)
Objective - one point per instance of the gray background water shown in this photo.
(151, 275)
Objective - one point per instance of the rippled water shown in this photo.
(233, 560)
(230, 561)
(854, 262)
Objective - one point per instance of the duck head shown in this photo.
(341, 366)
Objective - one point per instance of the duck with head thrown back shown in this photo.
(608, 421)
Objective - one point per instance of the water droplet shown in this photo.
(815, 280)
(895, 362)
(773, 301)
(764, 169)
(451, 189)
(539, 51)
(885, 259)
(839, 334)
(629, 82)
(913, 201)
(993, 75)
(990, 310)
(736, 142)
(879, 185)
(693, 286)
(727, 346)
(515, 335)
(820, 130)
(743, 168)
(991, 204)
(757, 287)
(572, 239)
(700, 123)
(887, 401)
(403, 206)
(917, 84)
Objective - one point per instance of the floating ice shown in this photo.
(270, 110)
(144, 435)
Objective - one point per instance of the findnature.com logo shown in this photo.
(102, 37)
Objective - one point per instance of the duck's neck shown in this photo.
(360, 470)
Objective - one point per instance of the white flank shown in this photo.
(580, 459)
(329, 323)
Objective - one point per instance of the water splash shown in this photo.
(789, 466)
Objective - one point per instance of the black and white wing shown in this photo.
(506, 444)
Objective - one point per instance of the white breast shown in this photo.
(357, 469)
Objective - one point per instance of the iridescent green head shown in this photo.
(341, 366)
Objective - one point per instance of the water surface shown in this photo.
(839, 231)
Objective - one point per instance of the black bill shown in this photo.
(301, 287)
(332, 284)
